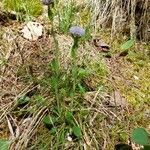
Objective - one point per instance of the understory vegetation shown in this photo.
(74, 75)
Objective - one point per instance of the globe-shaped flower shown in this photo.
(77, 31)
(47, 2)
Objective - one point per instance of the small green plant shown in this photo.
(76, 131)
(65, 118)
(142, 137)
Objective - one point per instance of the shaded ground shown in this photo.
(117, 99)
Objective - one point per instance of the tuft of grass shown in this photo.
(24, 8)
(129, 17)
(66, 16)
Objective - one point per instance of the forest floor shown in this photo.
(116, 100)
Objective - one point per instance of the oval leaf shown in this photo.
(69, 118)
(140, 136)
(77, 131)
(4, 144)
(48, 120)
(127, 45)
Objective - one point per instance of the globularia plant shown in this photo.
(76, 32)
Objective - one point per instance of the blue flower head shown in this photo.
(77, 31)
(47, 2)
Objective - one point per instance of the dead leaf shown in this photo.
(118, 100)
(101, 45)
(32, 31)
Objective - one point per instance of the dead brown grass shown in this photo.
(128, 16)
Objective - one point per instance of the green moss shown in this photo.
(136, 83)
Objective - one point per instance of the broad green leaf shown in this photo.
(23, 100)
(53, 131)
(140, 136)
(77, 131)
(127, 45)
(81, 88)
(48, 120)
(69, 118)
(4, 144)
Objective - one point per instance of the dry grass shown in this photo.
(129, 16)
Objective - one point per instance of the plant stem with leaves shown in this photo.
(55, 62)
(74, 62)
(76, 32)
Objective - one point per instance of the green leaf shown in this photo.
(39, 100)
(61, 136)
(82, 72)
(140, 136)
(127, 45)
(55, 65)
(81, 89)
(4, 144)
(23, 100)
(54, 82)
(53, 131)
(69, 118)
(48, 120)
(77, 131)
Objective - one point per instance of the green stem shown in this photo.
(57, 67)
(74, 62)
(50, 13)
